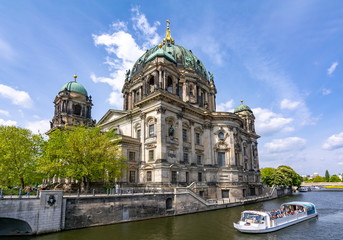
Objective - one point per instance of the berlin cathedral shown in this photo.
(171, 133)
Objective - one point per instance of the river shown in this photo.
(217, 225)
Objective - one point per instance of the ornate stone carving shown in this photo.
(142, 115)
(160, 109)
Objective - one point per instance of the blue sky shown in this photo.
(284, 58)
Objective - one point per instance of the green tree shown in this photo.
(335, 178)
(282, 176)
(286, 176)
(319, 179)
(327, 176)
(308, 180)
(19, 151)
(83, 153)
(267, 176)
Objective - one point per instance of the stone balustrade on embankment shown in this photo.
(53, 211)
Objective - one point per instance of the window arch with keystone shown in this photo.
(138, 131)
(186, 132)
(198, 136)
(151, 126)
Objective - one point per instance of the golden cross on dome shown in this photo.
(168, 38)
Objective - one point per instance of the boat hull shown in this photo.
(272, 229)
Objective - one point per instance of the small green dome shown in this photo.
(75, 87)
(242, 108)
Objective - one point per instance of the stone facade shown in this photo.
(172, 134)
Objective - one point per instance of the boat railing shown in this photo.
(289, 218)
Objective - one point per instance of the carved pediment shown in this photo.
(111, 116)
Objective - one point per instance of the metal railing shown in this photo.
(18, 193)
(118, 192)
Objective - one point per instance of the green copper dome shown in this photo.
(182, 57)
(242, 108)
(161, 53)
(75, 87)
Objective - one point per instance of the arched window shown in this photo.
(191, 93)
(201, 99)
(77, 109)
(170, 85)
(151, 86)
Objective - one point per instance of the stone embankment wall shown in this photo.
(94, 211)
(54, 212)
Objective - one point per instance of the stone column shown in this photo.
(179, 135)
(129, 101)
(144, 93)
(143, 127)
(192, 139)
(161, 151)
(174, 86)
(160, 79)
(208, 141)
(186, 92)
(212, 143)
(164, 84)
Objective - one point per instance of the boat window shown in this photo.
(252, 218)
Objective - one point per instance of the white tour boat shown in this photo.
(288, 214)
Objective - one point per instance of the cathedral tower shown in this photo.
(72, 106)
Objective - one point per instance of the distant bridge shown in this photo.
(322, 184)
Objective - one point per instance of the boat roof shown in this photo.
(256, 212)
(306, 204)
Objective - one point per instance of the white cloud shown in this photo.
(116, 99)
(225, 107)
(268, 123)
(41, 126)
(285, 145)
(4, 112)
(332, 68)
(340, 163)
(141, 23)
(17, 97)
(326, 91)
(288, 104)
(123, 51)
(8, 122)
(117, 26)
(333, 142)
